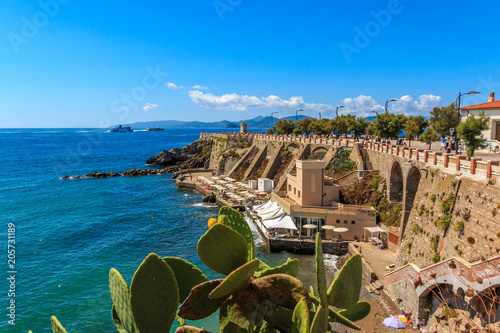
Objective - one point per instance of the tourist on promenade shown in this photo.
(448, 149)
(443, 143)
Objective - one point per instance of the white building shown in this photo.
(492, 109)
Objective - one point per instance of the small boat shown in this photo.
(154, 129)
(121, 129)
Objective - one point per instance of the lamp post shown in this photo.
(472, 92)
(272, 121)
(297, 115)
(319, 115)
(387, 102)
(336, 119)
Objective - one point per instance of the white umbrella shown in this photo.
(340, 229)
(328, 227)
(310, 226)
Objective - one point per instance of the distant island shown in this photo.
(257, 122)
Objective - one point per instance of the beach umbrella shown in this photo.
(328, 227)
(310, 226)
(340, 229)
(394, 322)
(207, 188)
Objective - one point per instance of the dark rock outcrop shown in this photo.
(191, 156)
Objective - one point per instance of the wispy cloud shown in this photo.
(149, 107)
(364, 105)
(174, 86)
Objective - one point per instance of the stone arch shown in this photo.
(396, 184)
(411, 186)
(432, 297)
(487, 303)
(293, 147)
(320, 148)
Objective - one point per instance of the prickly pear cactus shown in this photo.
(154, 295)
(281, 289)
(222, 249)
(358, 312)
(190, 329)
(120, 294)
(198, 305)
(117, 322)
(235, 221)
(240, 313)
(56, 325)
(346, 287)
(320, 271)
(320, 320)
(187, 275)
(291, 267)
(236, 281)
(300, 319)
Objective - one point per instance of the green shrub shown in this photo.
(447, 204)
(435, 258)
(433, 198)
(459, 226)
(416, 228)
(443, 222)
(404, 263)
(434, 243)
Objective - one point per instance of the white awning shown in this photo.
(272, 207)
(284, 222)
(264, 205)
(272, 215)
(375, 229)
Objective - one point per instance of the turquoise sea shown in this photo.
(69, 233)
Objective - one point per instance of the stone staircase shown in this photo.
(375, 287)
(261, 155)
(329, 155)
(273, 162)
(290, 167)
(241, 161)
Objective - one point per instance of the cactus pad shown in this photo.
(346, 287)
(154, 295)
(236, 281)
(267, 328)
(120, 294)
(198, 305)
(320, 321)
(335, 316)
(56, 325)
(300, 318)
(240, 313)
(116, 321)
(236, 222)
(320, 271)
(291, 267)
(187, 275)
(190, 329)
(358, 312)
(281, 289)
(222, 249)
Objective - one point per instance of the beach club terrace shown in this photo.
(310, 205)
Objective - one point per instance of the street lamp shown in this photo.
(272, 121)
(319, 115)
(387, 102)
(472, 92)
(336, 119)
(297, 114)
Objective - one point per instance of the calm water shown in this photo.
(69, 233)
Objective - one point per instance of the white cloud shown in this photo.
(408, 106)
(172, 85)
(197, 86)
(361, 105)
(149, 107)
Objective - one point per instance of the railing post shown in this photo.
(410, 153)
(488, 169)
(435, 159)
(473, 166)
(458, 163)
(426, 156)
(446, 160)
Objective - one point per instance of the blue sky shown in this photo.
(73, 63)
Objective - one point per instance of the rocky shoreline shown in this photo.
(195, 155)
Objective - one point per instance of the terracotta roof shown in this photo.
(489, 105)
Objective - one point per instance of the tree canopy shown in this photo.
(388, 125)
(471, 132)
(285, 126)
(429, 136)
(321, 126)
(303, 126)
(443, 118)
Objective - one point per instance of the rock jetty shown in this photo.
(192, 156)
(129, 173)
